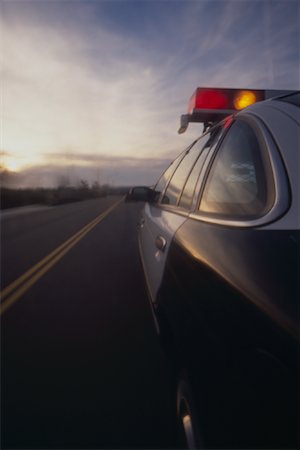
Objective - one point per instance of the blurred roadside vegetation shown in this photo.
(11, 198)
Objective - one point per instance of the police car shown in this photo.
(219, 245)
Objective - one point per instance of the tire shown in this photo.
(188, 423)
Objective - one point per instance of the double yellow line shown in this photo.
(17, 288)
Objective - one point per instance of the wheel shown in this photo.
(188, 423)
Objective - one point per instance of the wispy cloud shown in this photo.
(54, 97)
(104, 160)
(79, 79)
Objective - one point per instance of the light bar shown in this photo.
(210, 105)
(216, 99)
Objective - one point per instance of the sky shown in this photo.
(94, 89)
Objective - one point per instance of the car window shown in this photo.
(162, 182)
(209, 142)
(239, 183)
(188, 191)
(180, 175)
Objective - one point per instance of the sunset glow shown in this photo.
(12, 166)
(90, 81)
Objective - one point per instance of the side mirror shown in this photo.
(141, 194)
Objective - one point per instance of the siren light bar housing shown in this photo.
(210, 105)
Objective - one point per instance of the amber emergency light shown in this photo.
(210, 105)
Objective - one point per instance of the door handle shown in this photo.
(160, 243)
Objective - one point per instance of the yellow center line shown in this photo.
(6, 291)
(25, 281)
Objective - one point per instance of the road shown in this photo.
(81, 364)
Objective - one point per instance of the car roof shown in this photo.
(294, 98)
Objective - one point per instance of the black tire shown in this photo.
(188, 422)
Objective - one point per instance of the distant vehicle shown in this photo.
(219, 244)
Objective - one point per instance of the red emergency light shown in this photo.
(208, 99)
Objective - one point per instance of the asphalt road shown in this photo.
(81, 363)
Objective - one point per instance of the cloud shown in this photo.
(104, 160)
(77, 76)
(65, 89)
(239, 43)
(3, 153)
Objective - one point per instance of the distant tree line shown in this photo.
(56, 196)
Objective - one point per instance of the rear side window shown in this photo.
(161, 184)
(239, 184)
(179, 177)
(188, 191)
(209, 142)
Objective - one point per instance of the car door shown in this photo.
(161, 220)
(157, 228)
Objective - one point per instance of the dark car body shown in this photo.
(220, 252)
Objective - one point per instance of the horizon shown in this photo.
(94, 89)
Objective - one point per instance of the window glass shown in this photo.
(188, 192)
(180, 175)
(210, 142)
(161, 184)
(238, 184)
